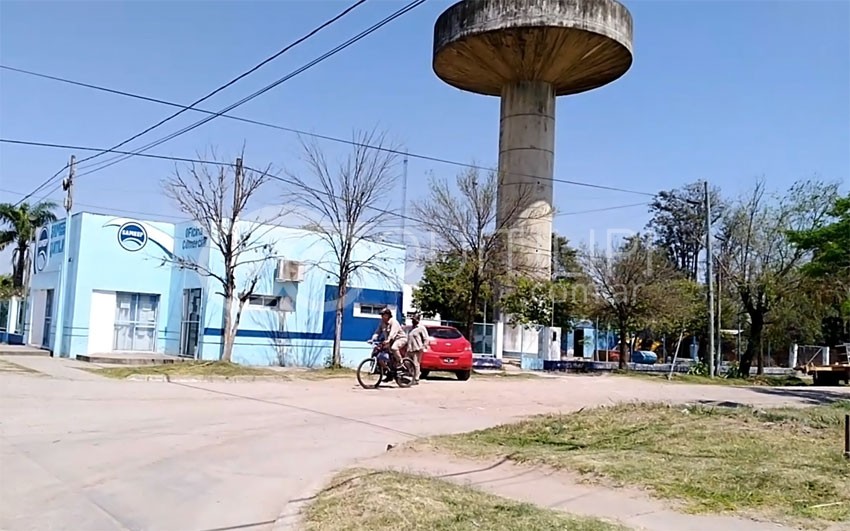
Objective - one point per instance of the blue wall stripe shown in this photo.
(353, 328)
(266, 334)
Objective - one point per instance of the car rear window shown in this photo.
(444, 333)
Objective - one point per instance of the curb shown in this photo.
(202, 379)
(290, 516)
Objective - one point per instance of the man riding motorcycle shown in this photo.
(394, 337)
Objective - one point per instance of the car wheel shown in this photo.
(463, 375)
(424, 374)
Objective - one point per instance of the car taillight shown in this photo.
(467, 347)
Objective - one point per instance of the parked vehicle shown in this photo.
(447, 351)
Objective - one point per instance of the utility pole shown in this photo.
(68, 186)
(709, 280)
(719, 319)
(404, 200)
(237, 187)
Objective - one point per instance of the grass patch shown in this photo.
(188, 369)
(759, 381)
(392, 501)
(785, 464)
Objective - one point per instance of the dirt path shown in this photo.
(562, 491)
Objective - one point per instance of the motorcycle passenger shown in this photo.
(417, 342)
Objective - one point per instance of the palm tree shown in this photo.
(19, 225)
(7, 290)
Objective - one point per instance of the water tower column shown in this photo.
(526, 166)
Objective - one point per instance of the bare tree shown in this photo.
(466, 222)
(348, 207)
(762, 263)
(216, 198)
(631, 286)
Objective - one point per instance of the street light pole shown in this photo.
(61, 292)
(709, 280)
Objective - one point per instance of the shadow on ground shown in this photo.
(806, 396)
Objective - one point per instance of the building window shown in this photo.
(366, 309)
(135, 322)
(269, 302)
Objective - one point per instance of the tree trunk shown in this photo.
(475, 295)
(336, 357)
(624, 364)
(20, 267)
(229, 330)
(753, 342)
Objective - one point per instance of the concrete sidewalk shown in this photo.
(561, 491)
(62, 368)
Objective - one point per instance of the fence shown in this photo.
(482, 336)
(811, 354)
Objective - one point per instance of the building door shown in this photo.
(135, 322)
(190, 324)
(48, 318)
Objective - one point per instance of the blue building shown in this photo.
(124, 293)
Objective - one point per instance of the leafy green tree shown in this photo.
(829, 267)
(19, 224)
(7, 287)
(445, 289)
(763, 262)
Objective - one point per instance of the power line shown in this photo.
(231, 164)
(91, 205)
(99, 207)
(604, 209)
(250, 71)
(326, 55)
(329, 138)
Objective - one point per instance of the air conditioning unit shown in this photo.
(289, 271)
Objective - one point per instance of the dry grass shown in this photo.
(188, 370)
(221, 369)
(365, 500)
(785, 464)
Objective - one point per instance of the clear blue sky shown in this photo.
(727, 91)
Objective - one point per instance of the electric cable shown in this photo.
(415, 155)
(231, 164)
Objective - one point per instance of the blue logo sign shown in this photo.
(41, 247)
(132, 236)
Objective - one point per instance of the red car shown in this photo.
(447, 351)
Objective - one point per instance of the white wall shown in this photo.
(101, 322)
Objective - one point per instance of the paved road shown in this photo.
(81, 452)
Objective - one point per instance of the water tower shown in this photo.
(529, 52)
